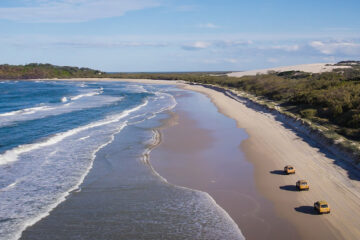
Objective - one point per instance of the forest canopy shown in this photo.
(38, 71)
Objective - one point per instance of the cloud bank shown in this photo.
(196, 45)
(64, 11)
(349, 48)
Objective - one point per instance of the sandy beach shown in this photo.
(272, 145)
(269, 146)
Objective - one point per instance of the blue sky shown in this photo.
(178, 35)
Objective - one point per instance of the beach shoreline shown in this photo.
(200, 164)
(270, 146)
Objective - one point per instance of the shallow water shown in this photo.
(51, 133)
(202, 151)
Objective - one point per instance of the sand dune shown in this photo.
(313, 68)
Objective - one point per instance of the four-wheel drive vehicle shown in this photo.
(322, 207)
(289, 169)
(302, 185)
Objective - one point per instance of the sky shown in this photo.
(178, 35)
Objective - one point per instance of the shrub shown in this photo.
(308, 113)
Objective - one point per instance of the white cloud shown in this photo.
(208, 25)
(234, 43)
(107, 43)
(197, 45)
(331, 48)
(43, 41)
(230, 60)
(288, 48)
(216, 44)
(73, 10)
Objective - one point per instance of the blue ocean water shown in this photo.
(50, 132)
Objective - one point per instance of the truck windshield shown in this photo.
(324, 206)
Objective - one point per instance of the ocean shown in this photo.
(50, 135)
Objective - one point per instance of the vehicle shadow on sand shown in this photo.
(306, 210)
(291, 188)
(278, 172)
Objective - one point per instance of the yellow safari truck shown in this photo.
(322, 207)
(302, 185)
(289, 169)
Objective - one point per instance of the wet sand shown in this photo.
(201, 151)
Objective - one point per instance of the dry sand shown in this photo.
(312, 68)
(270, 147)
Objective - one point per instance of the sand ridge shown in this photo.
(312, 68)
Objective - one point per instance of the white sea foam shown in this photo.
(47, 167)
(42, 107)
(92, 101)
(136, 88)
(63, 196)
(89, 94)
(82, 85)
(26, 111)
(12, 155)
(83, 138)
(162, 99)
(11, 185)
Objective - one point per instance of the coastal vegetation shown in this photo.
(331, 99)
(38, 71)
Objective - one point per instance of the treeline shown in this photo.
(37, 71)
(331, 99)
